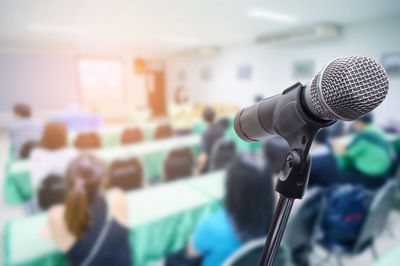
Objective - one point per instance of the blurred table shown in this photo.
(162, 219)
(18, 188)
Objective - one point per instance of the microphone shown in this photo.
(345, 89)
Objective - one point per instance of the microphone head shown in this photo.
(348, 88)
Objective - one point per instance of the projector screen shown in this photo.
(101, 80)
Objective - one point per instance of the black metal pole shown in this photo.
(276, 231)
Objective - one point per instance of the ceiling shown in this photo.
(166, 25)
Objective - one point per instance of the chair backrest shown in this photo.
(377, 216)
(27, 148)
(89, 140)
(249, 254)
(179, 163)
(131, 135)
(52, 191)
(302, 226)
(126, 174)
(163, 131)
(222, 153)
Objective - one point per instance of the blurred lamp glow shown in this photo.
(268, 15)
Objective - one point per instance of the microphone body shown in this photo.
(345, 89)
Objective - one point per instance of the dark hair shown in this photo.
(177, 98)
(258, 98)
(22, 110)
(84, 176)
(54, 136)
(208, 115)
(275, 150)
(323, 136)
(367, 119)
(249, 197)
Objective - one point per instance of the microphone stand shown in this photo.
(298, 128)
(293, 180)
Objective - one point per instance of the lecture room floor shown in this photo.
(383, 244)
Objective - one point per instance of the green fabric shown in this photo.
(390, 258)
(242, 145)
(369, 152)
(18, 188)
(396, 145)
(162, 220)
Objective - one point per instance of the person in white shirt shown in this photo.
(53, 155)
(23, 129)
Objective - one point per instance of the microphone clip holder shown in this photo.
(298, 127)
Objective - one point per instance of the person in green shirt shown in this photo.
(368, 156)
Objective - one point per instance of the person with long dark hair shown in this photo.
(247, 213)
(91, 227)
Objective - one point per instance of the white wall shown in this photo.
(49, 80)
(273, 65)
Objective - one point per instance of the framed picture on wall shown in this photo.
(206, 74)
(244, 72)
(391, 63)
(303, 68)
(181, 75)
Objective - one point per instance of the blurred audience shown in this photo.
(324, 169)
(247, 213)
(23, 129)
(53, 155)
(213, 133)
(367, 158)
(91, 227)
(275, 150)
(258, 98)
(181, 112)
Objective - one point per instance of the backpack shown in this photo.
(345, 213)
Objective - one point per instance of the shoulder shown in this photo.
(117, 202)
(38, 153)
(214, 221)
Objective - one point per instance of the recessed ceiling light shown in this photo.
(54, 29)
(269, 15)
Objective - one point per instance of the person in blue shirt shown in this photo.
(247, 213)
(324, 168)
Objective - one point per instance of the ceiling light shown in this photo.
(268, 15)
(54, 29)
(181, 40)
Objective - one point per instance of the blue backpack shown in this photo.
(345, 213)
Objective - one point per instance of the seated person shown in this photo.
(213, 133)
(248, 210)
(24, 128)
(368, 157)
(91, 227)
(181, 112)
(52, 156)
(275, 151)
(324, 169)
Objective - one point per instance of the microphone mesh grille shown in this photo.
(351, 87)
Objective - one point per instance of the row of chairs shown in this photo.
(92, 140)
(129, 174)
(302, 232)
